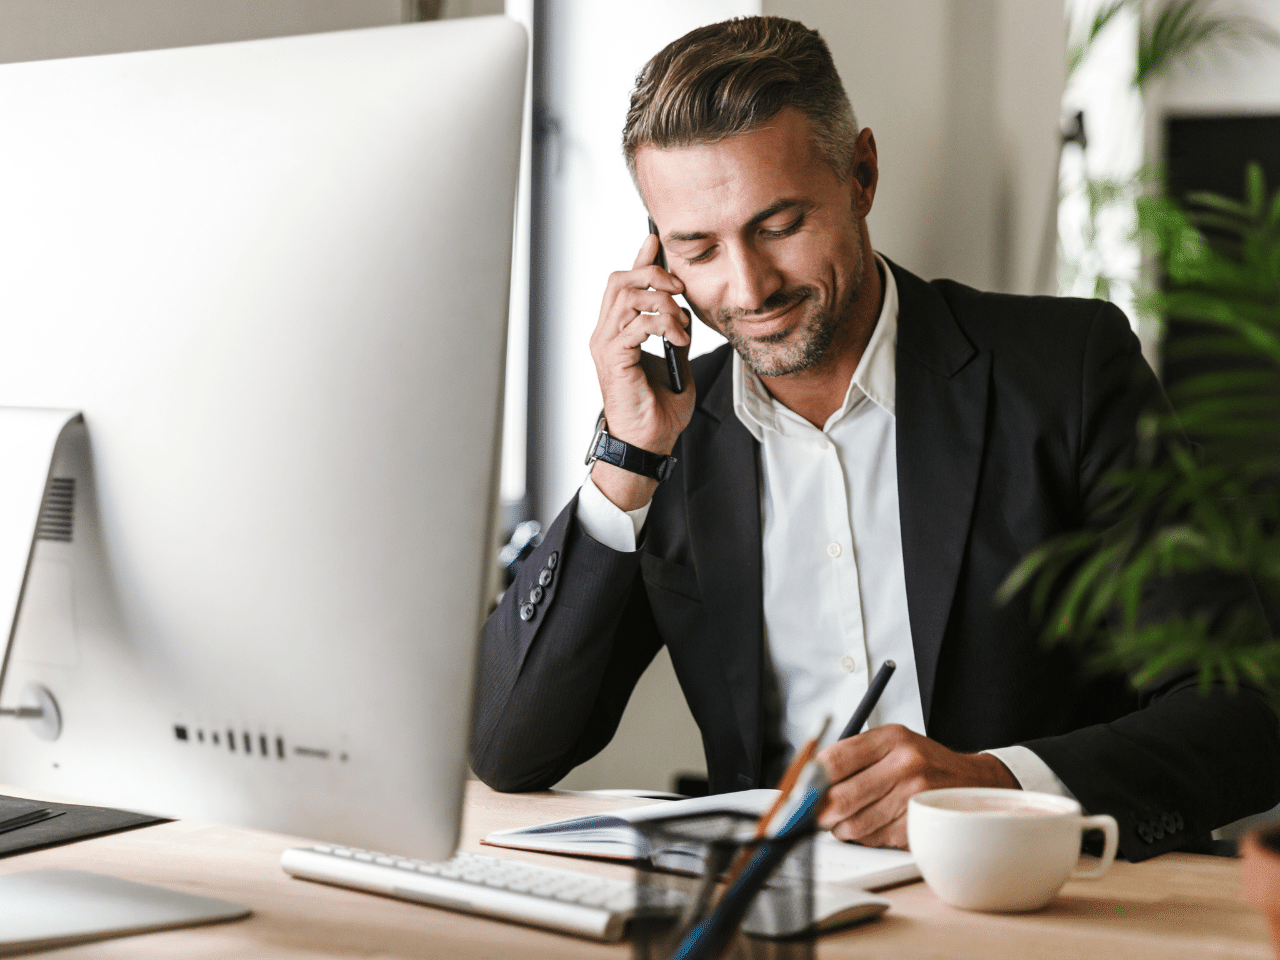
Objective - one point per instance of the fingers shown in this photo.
(646, 325)
(643, 277)
(638, 304)
(644, 289)
(648, 252)
(634, 315)
(632, 302)
(844, 758)
(879, 771)
(893, 834)
(628, 293)
(858, 807)
(645, 267)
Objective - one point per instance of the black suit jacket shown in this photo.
(1009, 410)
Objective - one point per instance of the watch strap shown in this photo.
(629, 457)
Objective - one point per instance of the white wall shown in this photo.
(45, 29)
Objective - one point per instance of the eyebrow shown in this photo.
(770, 211)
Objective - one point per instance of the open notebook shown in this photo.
(613, 836)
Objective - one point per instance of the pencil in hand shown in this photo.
(869, 700)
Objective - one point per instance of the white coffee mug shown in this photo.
(984, 848)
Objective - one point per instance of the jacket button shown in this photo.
(1169, 822)
(535, 595)
(527, 610)
(545, 577)
(1157, 830)
(553, 559)
(1145, 833)
(1177, 818)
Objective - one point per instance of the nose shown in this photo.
(753, 279)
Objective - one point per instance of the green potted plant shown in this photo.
(1203, 496)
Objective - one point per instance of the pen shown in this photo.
(869, 701)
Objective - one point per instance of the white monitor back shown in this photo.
(274, 277)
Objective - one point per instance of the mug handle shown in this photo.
(1112, 832)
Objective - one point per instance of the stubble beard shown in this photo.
(772, 355)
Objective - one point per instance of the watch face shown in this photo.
(595, 440)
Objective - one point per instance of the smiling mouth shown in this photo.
(766, 329)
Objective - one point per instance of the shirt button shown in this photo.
(833, 549)
(823, 445)
(849, 664)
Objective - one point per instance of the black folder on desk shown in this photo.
(27, 825)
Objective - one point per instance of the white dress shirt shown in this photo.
(835, 598)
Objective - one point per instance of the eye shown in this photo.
(702, 257)
(786, 231)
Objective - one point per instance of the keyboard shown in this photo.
(567, 901)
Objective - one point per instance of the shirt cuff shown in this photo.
(1030, 771)
(605, 522)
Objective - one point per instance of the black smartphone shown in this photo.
(673, 365)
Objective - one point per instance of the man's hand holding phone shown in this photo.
(639, 406)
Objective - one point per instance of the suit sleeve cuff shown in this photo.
(605, 522)
(1030, 771)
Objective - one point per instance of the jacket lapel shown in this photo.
(722, 491)
(941, 402)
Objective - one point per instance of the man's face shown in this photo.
(767, 241)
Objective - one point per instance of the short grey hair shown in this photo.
(733, 77)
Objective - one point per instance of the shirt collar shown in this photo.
(874, 379)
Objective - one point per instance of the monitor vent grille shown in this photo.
(57, 513)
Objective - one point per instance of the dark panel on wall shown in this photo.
(1211, 153)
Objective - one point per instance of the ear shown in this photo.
(866, 172)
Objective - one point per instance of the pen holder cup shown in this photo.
(688, 911)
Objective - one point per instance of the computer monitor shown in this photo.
(273, 277)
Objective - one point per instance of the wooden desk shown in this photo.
(1176, 906)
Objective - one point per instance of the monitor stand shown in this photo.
(29, 438)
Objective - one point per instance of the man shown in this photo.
(854, 476)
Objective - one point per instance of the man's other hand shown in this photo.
(638, 405)
(877, 772)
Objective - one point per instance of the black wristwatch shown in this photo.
(627, 456)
